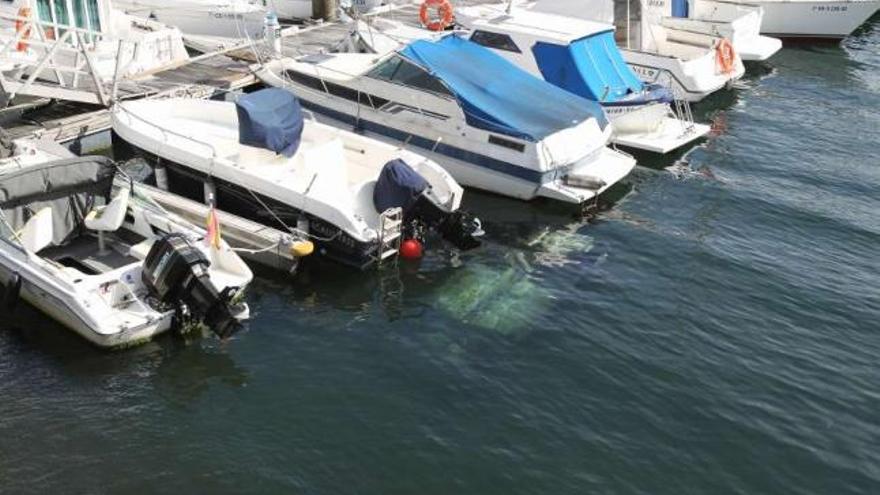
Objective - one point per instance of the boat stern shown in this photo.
(589, 177)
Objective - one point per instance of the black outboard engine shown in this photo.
(176, 273)
(401, 186)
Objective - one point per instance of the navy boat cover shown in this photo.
(398, 185)
(271, 119)
(498, 96)
(590, 67)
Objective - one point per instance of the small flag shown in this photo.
(213, 237)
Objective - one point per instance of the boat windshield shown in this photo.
(398, 70)
(138, 194)
(7, 233)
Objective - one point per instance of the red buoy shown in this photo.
(411, 249)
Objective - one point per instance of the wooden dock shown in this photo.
(51, 117)
(203, 76)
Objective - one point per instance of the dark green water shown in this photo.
(714, 331)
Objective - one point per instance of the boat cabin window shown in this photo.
(85, 14)
(495, 40)
(400, 71)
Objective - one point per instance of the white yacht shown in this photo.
(354, 196)
(81, 243)
(831, 19)
(693, 66)
(492, 125)
(581, 57)
(65, 41)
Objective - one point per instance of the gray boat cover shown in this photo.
(67, 186)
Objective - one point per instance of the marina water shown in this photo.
(714, 330)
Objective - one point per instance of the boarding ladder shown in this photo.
(390, 233)
(683, 113)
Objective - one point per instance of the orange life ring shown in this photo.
(443, 7)
(725, 56)
(23, 12)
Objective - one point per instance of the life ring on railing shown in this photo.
(725, 56)
(443, 7)
(21, 27)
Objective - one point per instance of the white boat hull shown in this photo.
(71, 311)
(690, 80)
(833, 19)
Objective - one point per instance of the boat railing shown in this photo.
(166, 132)
(41, 44)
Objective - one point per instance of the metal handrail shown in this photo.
(166, 132)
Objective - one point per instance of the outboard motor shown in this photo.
(399, 185)
(176, 273)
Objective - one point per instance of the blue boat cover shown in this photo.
(590, 67)
(680, 8)
(398, 186)
(271, 119)
(498, 96)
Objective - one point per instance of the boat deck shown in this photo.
(83, 254)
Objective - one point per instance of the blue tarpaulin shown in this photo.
(498, 96)
(590, 67)
(398, 186)
(271, 119)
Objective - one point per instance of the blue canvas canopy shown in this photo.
(271, 119)
(498, 96)
(590, 67)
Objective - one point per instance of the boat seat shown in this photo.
(141, 249)
(109, 217)
(38, 231)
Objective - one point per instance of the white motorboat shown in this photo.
(581, 57)
(206, 25)
(492, 125)
(67, 41)
(693, 66)
(355, 197)
(811, 19)
(101, 258)
(698, 19)
(221, 18)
